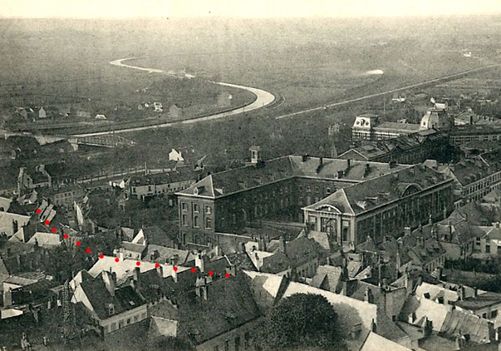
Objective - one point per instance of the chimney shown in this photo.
(136, 277)
(109, 282)
(160, 271)
(305, 157)
(255, 154)
(407, 231)
(430, 219)
(283, 244)
(15, 226)
(368, 296)
(202, 288)
(200, 261)
(344, 288)
(348, 164)
(461, 293)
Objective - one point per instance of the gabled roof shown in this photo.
(380, 191)
(124, 299)
(230, 304)
(375, 342)
(281, 168)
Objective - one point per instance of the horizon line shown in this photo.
(125, 18)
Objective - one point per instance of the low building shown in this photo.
(113, 308)
(218, 314)
(477, 132)
(33, 178)
(156, 184)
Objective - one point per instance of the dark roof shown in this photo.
(398, 127)
(278, 169)
(230, 304)
(100, 298)
(482, 300)
(380, 191)
(178, 175)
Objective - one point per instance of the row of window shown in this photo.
(123, 323)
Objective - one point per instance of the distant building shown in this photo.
(409, 149)
(368, 126)
(175, 155)
(33, 178)
(42, 113)
(477, 132)
(100, 116)
(156, 184)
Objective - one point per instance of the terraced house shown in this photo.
(227, 202)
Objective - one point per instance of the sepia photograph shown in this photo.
(237, 175)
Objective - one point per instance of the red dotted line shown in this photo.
(101, 256)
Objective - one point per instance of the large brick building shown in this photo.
(382, 206)
(227, 202)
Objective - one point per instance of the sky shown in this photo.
(243, 8)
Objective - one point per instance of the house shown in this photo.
(113, 308)
(218, 314)
(299, 257)
(175, 155)
(477, 132)
(158, 106)
(375, 342)
(11, 223)
(42, 113)
(33, 178)
(440, 308)
(156, 184)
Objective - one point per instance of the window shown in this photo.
(494, 314)
(149, 187)
(208, 223)
(184, 220)
(195, 207)
(195, 221)
(227, 345)
(208, 210)
(184, 206)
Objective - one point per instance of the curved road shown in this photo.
(263, 98)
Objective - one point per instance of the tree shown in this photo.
(302, 321)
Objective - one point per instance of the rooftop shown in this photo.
(380, 191)
(286, 167)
